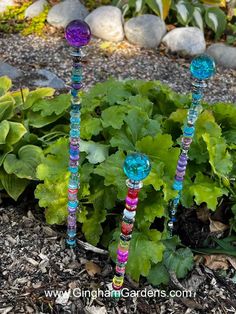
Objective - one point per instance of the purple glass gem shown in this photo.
(78, 33)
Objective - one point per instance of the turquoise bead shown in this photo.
(74, 133)
(71, 233)
(178, 185)
(73, 169)
(73, 204)
(202, 67)
(189, 131)
(71, 242)
(137, 166)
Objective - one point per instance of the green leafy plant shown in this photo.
(13, 20)
(198, 13)
(26, 126)
(121, 117)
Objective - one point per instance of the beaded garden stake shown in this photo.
(136, 167)
(77, 34)
(201, 68)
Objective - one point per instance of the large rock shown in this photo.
(9, 70)
(145, 30)
(35, 8)
(106, 22)
(50, 80)
(185, 41)
(63, 13)
(4, 4)
(223, 55)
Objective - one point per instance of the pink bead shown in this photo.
(120, 270)
(122, 259)
(122, 253)
(131, 201)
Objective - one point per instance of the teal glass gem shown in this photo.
(137, 166)
(202, 67)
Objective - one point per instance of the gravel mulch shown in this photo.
(122, 61)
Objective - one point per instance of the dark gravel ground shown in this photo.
(122, 61)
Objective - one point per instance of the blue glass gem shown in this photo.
(137, 166)
(71, 233)
(202, 67)
(178, 185)
(71, 242)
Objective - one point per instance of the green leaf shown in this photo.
(142, 253)
(5, 85)
(206, 124)
(179, 261)
(4, 129)
(34, 96)
(184, 12)
(160, 7)
(158, 275)
(56, 105)
(160, 149)
(20, 96)
(24, 165)
(16, 132)
(114, 117)
(135, 121)
(90, 126)
(122, 140)
(6, 107)
(96, 153)
(12, 184)
(205, 190)
(112, 170)
(216, 20)
(155, 176)
(38, 121)
(220, 158)
(225, 115)
(92, 228)
(153, 206)
(198, 18)
(53, 196)
(56, 162)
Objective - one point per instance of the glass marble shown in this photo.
(137, 166)
(202, 67)
(77, 33)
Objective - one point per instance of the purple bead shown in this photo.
(71, 221)
(182, 163)
(179, 178)
(122, 254)
(131, 201)
(77, 86)
(181, 168)
(78, 33)
(122, 259)
(180, 173)
(74, 158)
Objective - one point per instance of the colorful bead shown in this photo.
(202, 67)
(129, 214)
(78, 33)
(137, 167)
(126, 228)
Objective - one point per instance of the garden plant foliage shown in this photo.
(27, 121)
(119, 117)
